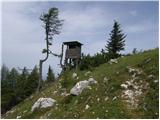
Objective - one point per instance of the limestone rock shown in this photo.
(124, 86)
(43, 103)
(87, 73)
(106, 98)
(92, 81)
(74, 75)
(18, 117)
(151, 76)
(113, 61)
(87, 107)
(156, 81)
(78, 88)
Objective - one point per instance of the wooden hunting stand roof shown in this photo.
(73, 43)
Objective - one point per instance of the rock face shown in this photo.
(78, 88)
(43, 103)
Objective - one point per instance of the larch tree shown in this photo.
(116, 41)
(52, 25)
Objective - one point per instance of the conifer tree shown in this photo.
(13, 76)
(116, 41)
(50, 75)
(32, 82)
(21, 83)
(52, 25)
(4, 72)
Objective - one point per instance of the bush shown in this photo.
(87, 61)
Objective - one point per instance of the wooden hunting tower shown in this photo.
(72, 54)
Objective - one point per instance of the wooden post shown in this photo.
(76, 64)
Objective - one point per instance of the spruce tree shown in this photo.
(21, 83)
(4, 72)
(13, 76)
(116, 41)
(32, 82)
(50, 75)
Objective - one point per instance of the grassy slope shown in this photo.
(74, 106)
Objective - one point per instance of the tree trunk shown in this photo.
(40, 75)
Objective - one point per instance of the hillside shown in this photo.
(127, 89)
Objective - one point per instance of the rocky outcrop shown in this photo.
(132, 88)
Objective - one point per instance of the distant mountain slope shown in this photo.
(127, 89)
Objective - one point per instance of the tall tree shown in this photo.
(32, 82)
(8, 96)
(13, 76)
(52, 26)
(4, 72)
(21, 83)
(116, 41)
(50, 75)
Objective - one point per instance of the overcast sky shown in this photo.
(87, 22)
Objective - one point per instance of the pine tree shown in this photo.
(50, 75)
(116, 41)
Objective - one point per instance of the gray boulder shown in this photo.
(78, 88)
(43, 103)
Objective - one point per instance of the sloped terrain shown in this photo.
(127, 89)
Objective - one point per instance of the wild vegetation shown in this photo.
(104, 99)
(126, 86)
(17, 86)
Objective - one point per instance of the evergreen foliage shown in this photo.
(88, 62)
(4, 72)
(134, 51)
(32, 82)
(116, 41)
(8, 95)
(13, 76)
(21, 84)
(15, 87)
(50, 75)
(101, 96)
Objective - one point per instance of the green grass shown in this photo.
(74, 106)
